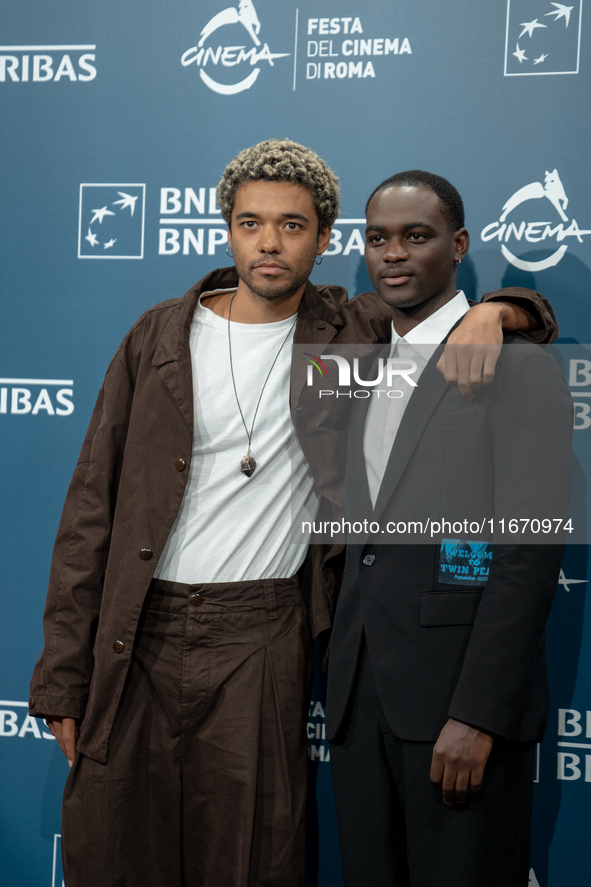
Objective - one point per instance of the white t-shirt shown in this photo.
(231, 528)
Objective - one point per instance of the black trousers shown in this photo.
(394, 828)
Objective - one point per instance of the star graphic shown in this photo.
(561, 11)
(100, 214)
(128, 200)
(542, 58)
(110, 243)
(92, 238)
(520, 54)
(562, 580)
(529, 27)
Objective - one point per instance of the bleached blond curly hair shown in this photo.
(281, 160)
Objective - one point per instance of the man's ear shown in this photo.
(229, 237)
(461, 244)
(323, 240)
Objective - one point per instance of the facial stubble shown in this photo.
(275, 289)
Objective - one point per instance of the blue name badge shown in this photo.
(462, 562)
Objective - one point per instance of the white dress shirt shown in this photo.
(386, 408)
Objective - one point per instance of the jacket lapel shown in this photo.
(172, 356)
(357, 488)
(357, 498)
(317, 324)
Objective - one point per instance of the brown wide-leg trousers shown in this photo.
(205, 782)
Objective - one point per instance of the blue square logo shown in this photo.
(542, 37)
(111, 221)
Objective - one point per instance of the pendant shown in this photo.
(248, 464)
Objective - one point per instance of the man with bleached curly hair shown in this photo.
(179, 621)
(178, 645)
(282, 160)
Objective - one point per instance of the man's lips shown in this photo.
(396, 278)
(269, 268)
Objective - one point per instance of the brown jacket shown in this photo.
(127, 488)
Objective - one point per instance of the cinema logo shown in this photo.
(231, 59)
(36, 397)
(550, 233)
(385, 370)
(47, 62)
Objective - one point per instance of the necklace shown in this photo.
(227, 302)
(248, 463)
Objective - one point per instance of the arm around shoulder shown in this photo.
(532, 313)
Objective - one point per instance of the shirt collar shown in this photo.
(434, 328)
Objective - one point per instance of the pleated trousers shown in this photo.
(205, 782)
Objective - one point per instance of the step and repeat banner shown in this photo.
(118, 119)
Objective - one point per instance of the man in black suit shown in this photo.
(427, 678)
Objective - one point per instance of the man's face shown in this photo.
(410, 249)
(274, 237)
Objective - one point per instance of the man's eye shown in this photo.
(249, 224)
(293, 226)
(416, 236)
(375, 239)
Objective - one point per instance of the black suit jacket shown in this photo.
(474, 653)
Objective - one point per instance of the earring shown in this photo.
(228, 253)
(458, 263)
(316, 262)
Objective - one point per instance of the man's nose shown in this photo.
(269, 241)
(396, 251)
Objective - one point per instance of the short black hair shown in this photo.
(449, 197)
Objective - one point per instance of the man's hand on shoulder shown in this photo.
(459, 759)
(472, 350)
(65, 731)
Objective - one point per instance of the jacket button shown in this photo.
(119, 646)
(180, 464)
(195, 599)
(369, 560)
(146, 554)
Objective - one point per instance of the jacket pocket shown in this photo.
(460, 417)
(449, 607)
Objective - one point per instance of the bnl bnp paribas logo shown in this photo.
(35, 397)
(535, 217)
(111, 221)
(229, 45)
(542, 37)
(42, 63)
